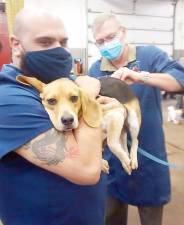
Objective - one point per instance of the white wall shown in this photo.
(179, 26)
(73, 14)
(147, 21)
(155, 27)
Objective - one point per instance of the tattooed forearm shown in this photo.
(50, 148)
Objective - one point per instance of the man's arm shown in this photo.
(164, 81)
(74, 156)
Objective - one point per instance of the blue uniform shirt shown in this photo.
(150, 184)
(30, 195)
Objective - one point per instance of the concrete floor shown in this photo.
(174, 211)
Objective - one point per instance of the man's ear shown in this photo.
(15, 46)
(91, 110)
(31, 81)
(13, 41)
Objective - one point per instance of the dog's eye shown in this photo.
(74, 98)
(52, 101)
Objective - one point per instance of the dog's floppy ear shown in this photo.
(31, 81)
(91, 110)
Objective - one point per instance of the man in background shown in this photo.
(148, 70)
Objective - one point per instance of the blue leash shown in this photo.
(160, 161)
(154, 158)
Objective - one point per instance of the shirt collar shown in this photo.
(106, 65)
(10, 68)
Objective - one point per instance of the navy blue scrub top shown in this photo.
(150, 184)
(30, 195)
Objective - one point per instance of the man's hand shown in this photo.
(127, 75)
(108, 103)
(90, 84)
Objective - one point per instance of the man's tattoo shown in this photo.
(50, 148)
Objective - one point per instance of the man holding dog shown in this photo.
(147, 70)
(46, 177)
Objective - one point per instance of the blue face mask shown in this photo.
(48, 65)
(112, 50)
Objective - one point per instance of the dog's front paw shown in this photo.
(127, 167)
(134, 164)
(126, 164)
(105, 166)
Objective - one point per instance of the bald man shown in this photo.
(39, 183)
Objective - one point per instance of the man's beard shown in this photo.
(23, 66)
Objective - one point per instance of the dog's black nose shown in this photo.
(67, 120)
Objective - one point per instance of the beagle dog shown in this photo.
(65, 102)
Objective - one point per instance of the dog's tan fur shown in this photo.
(62, 98)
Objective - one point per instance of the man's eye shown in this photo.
(74, 98)
(99, 42)
(52, 101)
(111, 37)
(63, 44)
(45, 43)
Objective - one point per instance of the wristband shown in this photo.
(144, 76)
